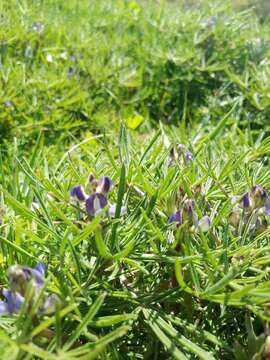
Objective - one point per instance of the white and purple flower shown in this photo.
(97, 200)
(20, 277)
(189, 215)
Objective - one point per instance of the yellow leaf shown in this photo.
(134, 121)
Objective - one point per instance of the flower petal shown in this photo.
(40, 267)
(77, 192)
(267, 206)
(104, 185)
(176, 217)
(14, 301)
(246, 201)
(95, 203)
(3, 308)
(188, 156)
(112, 211)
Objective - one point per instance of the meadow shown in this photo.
(134, 180)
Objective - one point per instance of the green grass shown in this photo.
(116, 281)
(108, 87)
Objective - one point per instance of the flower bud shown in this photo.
(235, 216)
(259, 195)
(204, 223)
(245, 202)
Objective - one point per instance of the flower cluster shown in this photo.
(251, 208)
(187, 214)
(179, 153)
(97, 200)
(21, 280)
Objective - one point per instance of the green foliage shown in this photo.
(132, 286)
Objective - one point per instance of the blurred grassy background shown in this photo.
(69, 68)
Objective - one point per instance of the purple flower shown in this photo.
(77, 193)
(188, 156)
(9, 103)
(176, 218)
(95, 203)
(246, 201)
(180, 151)
(97, 200)
(19, 279)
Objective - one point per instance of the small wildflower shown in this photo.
(188, 156)
(97, 201)
(179, 152)
(20, 276)
(9, 103)
(12, 304)
(104, 185)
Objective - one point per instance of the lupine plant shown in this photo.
(97, 200)
(183, 274)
